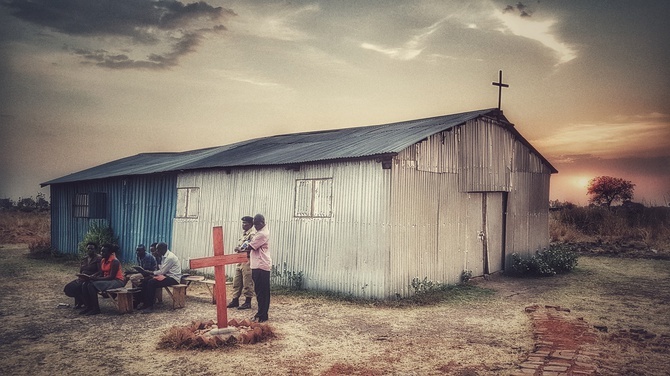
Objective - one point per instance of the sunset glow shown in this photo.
(81, 86)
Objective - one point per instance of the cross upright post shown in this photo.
(219, 261)
(500, 85)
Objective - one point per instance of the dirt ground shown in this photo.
(627, 299)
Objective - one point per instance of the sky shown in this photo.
(84, 82)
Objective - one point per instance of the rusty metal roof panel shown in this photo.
(358, 142)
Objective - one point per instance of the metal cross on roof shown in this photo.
(500, 85)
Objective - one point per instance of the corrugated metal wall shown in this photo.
(347, 252)
(441, 189)
(139, 209)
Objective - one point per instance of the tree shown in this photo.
(605, 190)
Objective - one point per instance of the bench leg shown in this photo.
(178, 295)
(125, 302)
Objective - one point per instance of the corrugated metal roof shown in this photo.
(283, 149)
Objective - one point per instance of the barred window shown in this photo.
(89, 205)
(188, 202)
(313, 198)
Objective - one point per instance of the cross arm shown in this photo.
(220, 260)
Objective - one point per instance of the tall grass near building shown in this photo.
(632, 226)
(18, 227)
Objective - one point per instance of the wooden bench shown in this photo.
(122, 298)
(176, 292)
(209, 283)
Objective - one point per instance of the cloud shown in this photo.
(633, 136)
(276, 21)
(538, 30)
(522, 8)
(411, 49)
(171, 27)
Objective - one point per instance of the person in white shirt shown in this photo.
(168, 274)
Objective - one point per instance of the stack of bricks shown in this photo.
(561, 345)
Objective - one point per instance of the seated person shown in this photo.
(110, 276)
(146, 261)
(89, 265)
(168, 274)
(154, 252)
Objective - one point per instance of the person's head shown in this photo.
(91, 249)
(152, 249)
(161, 248)
(247, 223)
(259, 221)
(107, 250)
(141, 251)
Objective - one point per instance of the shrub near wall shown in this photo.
(557, 259)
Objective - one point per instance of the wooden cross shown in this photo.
(500, 85)
(219, 261)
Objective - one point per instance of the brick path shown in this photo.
(561, 344)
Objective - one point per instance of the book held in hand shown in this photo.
(143, 271)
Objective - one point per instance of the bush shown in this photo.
(558, 259)
(98, 234)
(286, 278)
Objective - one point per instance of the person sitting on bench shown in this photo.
(146, 261)
(110, 276)
(168, 274)
(89, 265)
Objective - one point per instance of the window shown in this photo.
(188, 201)
(89, 205)
(313, 198)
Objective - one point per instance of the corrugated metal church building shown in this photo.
(360, 211)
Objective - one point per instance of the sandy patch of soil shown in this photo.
(314, 336)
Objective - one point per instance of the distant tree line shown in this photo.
(26, 204)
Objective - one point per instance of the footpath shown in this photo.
(562, 344)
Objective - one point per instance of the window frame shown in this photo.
(90, 205)
(188, 207)
(313, 198)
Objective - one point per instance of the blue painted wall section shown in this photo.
(139, 209)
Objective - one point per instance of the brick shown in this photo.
(555, 368)
(561, 356)
(585, 365)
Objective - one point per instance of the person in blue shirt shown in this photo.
(147, 261)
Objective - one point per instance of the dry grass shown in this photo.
(477, 334)
(18, 227)
(642, 233)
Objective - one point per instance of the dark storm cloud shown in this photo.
(145, 22)
(520, 7)
(102, 58)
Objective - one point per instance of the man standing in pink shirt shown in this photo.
(261, 265)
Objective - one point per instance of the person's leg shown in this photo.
(237, 288)
(248, 286)
(264, 279)
(92, 292)
(149, 292)
(151, 287)
(255, 277)
(84, 295)
(73, 290)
